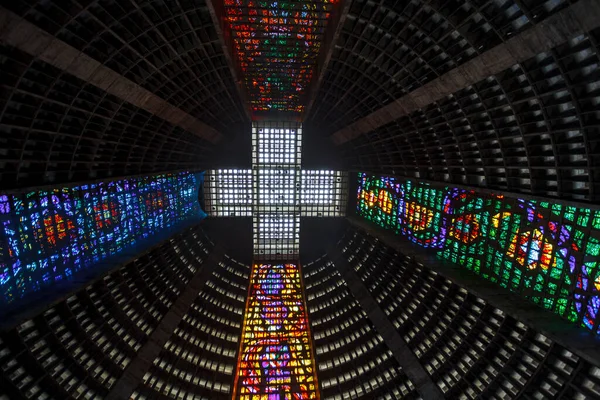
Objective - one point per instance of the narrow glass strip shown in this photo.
(276, 361)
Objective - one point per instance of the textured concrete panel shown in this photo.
(135, 371)
(19, 33)
(403, 355)
(574, 20)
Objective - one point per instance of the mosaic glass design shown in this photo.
(276, 360)
(549, 253)
(48, 236)
(276, 44)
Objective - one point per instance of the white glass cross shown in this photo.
(276, 192)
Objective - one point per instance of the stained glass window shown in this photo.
(48, 236)
(276, 44)
(549, 253)
(276, 360)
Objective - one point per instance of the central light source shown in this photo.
(276, 192)
(276, 163)
(275, 360)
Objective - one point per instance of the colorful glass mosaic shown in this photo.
(48, 236)
(276, 44)
(276, 360)
(549, 253)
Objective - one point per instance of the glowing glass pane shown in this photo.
(49, 236)
(276, 192)
(323, 193)
(546, 252)
(276, 360)
(228, 193)
(276, 44)
(278, 145)
(277, 186)
(276, 234)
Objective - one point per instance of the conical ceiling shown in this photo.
(528, 127)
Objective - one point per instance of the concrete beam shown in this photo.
(406, 358)
(574, 20)
(581, 342)
(334, 28)
(135, 371)
(23, 35)
(217, 12)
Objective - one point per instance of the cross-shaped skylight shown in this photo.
(276, 192)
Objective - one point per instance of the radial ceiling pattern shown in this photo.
(55, 127)
(532, 128)
(387, 49)
(276, 44)
(169, 48)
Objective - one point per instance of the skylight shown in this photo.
(276, 192)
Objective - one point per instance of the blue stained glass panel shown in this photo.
(49, 236)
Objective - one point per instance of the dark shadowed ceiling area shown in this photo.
(531, 127)
(56, 128)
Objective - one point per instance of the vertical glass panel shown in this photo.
(276, 360)
(547, 252)
(48, 236)
(276, 189)
(276, 44)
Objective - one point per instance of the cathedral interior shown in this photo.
(299, 199)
